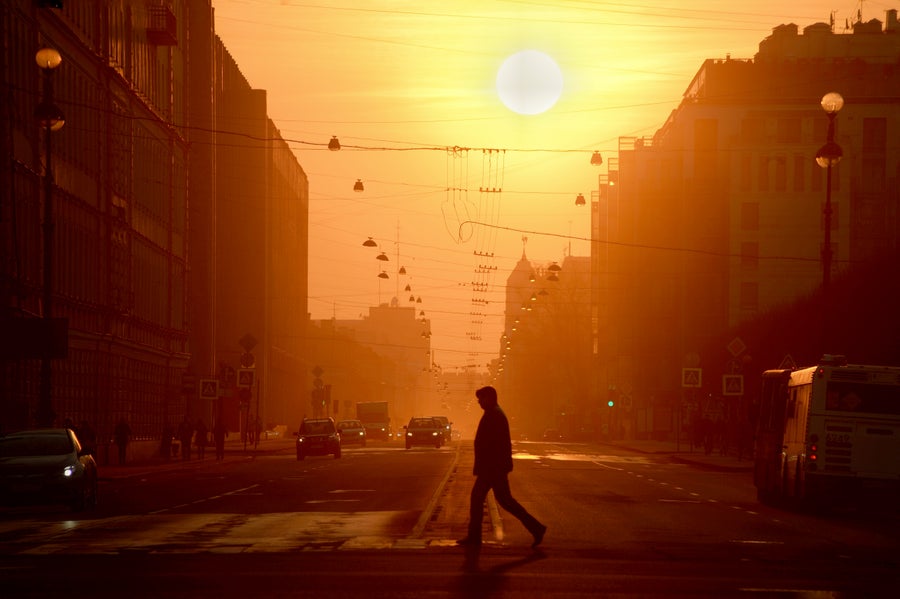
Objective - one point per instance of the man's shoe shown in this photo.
(538, 535)
(468, 541)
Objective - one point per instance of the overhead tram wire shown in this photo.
(651, 247)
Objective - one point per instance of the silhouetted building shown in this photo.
(385, 356)
(544, 371)
(719, 216)
(142, 249)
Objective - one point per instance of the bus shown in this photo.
(828, 434)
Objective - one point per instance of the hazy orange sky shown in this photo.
(399, 83)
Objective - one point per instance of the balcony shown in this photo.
(162, 27)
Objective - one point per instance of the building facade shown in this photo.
(132, 258)
(719, 217)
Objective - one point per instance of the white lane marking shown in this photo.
(608, 467)
(755, 542)
(210, 498)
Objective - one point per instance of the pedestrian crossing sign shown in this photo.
(691, 377)
(209, 388)
(732, 384)
(245, 378)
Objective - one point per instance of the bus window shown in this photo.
(791, 411)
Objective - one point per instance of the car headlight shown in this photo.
(434, 434)
(69, 471)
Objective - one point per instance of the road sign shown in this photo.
(209, 388)
(736, 346)
(788, 362)
(691, 377)
(732, 384)
(245, 378)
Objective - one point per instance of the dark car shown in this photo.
(424, 431)
(318, 436)
(552, 434)
(446, 428)
(46, 467)
(352, 432)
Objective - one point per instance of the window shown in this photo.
(800, 162)
(780, 173)
(788, 130)
(874, 135)
(873, 174)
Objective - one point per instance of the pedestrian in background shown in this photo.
(219, 434)
(186, 436)
(493, 463)
(200, 438)
(122, 435)
(165, 444)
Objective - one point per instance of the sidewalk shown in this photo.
(234, 451)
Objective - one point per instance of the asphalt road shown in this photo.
(381, 522)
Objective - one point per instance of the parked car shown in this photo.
(46, 467)
(424, 431)
(352, 432)
(446, 428)
(318, 436)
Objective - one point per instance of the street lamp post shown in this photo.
(828, 156)
(51, 119)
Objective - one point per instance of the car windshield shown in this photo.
(348, 424)
(35, 445)
(422, 423)
(317, 427)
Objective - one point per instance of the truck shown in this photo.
(375, 419)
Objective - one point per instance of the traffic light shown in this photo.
(611, 403)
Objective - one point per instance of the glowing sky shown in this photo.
(402, 81)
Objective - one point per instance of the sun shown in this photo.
(529, 82)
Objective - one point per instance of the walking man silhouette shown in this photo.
(493, 462)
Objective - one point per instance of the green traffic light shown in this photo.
(610, 403)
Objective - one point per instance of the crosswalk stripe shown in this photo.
(211, 532)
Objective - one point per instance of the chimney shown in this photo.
(891, 24)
